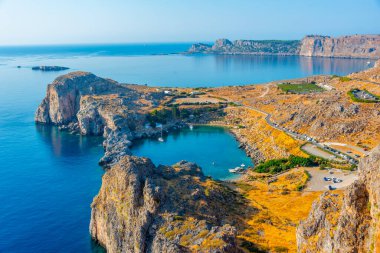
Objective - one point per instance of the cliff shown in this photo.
(143, 208)
(82, 102)
(349, 223)
(356, 46)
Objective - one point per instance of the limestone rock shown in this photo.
(143, 208)
(355, 46)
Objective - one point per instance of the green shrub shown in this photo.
(344, 79)
(278, 165)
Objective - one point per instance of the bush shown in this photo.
(278, 165)
(344, 79)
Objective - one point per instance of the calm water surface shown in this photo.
(213, 148)
(48, 178)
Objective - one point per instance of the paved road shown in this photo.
(298, 136)
(312, 149)
(356, 148)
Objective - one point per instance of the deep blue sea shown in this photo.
(48, 178)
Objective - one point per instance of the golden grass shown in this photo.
(281, 208)
(271, 142)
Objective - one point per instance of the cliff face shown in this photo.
(356, 46)
(62, 101)
(85, 103)
(143, 208)
(348, 224)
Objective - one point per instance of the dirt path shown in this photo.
(267, 88)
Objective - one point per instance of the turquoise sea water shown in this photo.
(48, 178)
(212, 148)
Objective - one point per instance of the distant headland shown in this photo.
(353, 46)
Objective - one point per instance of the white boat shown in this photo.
(191, 127)
(161, 138)
(242, 165)
(237, 170)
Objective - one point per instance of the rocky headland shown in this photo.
(84, 103)
(143, 208)
(355, 46)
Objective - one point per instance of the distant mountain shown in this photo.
(355, 46)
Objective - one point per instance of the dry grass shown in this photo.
(281, 207)
(271, 142)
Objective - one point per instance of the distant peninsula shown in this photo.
(49, 68)
(354, 46)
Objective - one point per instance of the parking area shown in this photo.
(321, 180)
(314, 150)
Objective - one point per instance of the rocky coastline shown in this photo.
(353, 46)
(139, 204)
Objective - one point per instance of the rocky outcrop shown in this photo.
(143, 208)
(62, 101)
(49, 68)
(356, 46)
(350, 224)
(90, 105)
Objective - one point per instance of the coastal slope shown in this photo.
(350, 224)
(355, 46)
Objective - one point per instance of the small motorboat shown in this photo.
(161, 138)
(237, 170)
(191, 127)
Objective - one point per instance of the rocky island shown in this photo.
(49, 68)
(287, 126)
(354, 46)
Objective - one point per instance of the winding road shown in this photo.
(302, 137)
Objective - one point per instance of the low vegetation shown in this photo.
(351, 93)
(300, 88)
(278, 165)
(344, 79)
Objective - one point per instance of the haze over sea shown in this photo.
(48, 178)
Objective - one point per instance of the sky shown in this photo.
(24, 22)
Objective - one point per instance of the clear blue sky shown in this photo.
(119, 21)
